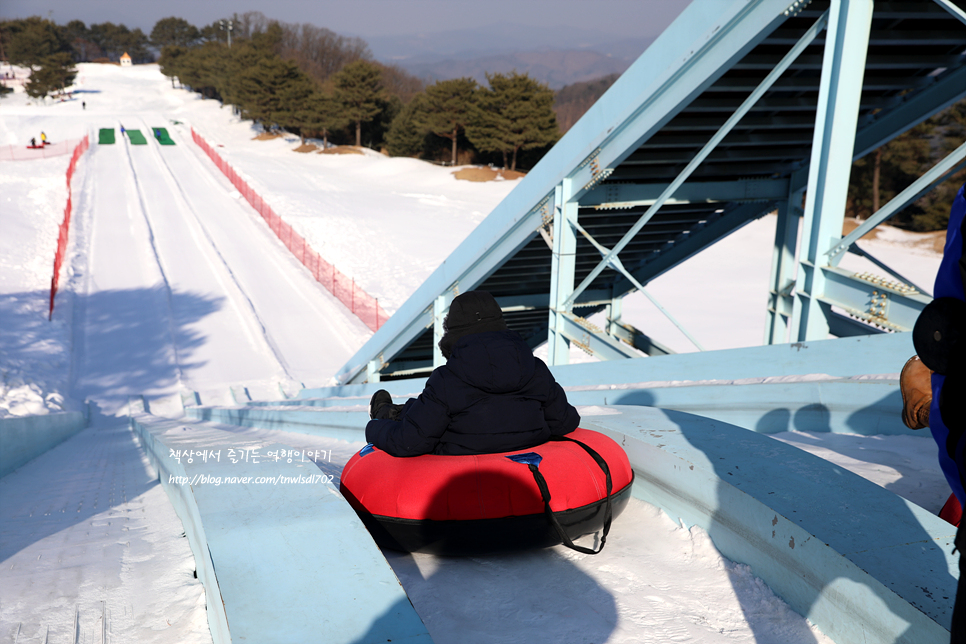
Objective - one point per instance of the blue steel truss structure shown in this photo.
(737, 110)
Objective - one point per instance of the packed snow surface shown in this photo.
(173, 283)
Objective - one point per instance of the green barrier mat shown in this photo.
(161, 134)
(106, 136)
(136, 137)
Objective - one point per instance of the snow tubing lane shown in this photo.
(470, 505)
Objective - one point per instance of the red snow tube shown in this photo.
(462, 505)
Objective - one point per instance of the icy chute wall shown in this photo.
(858, 561)
(24, 438)
(272, 570)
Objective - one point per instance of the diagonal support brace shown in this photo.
(708, 148)
(615, 263)
(951, 164)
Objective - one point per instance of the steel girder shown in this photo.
(781, 282)
(836, 122)
(691, 54)
(690, 58)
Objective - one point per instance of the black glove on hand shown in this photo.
(381, 407)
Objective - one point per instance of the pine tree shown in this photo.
(174, 32)
(30, 41)
(358, 88)
(515, 113)
(55, 72)
(79, 37)
(447, 108)
(272, 91)
(171, 57)
(117, 39)
(328, 116)
(300, 107)
(405, 137)
(207, 69)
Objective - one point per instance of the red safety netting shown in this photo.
(64, 231)
(362, 305)
(23, 153)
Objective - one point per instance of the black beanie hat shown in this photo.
(471, 312)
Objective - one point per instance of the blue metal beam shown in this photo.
(913, 109)
(686, 58)
(626, 195)
(855, 249)
(724, 40)
(619, 267)
(883, 303)
(562, 265)
(782, 278)
(953, 9)
(694, 242)
(629, 334)
(843, 326)
(591, 339)
(699, 158)
(483, 252)
(843, 68)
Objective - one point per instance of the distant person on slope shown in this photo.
(492, 395)
(43, 138)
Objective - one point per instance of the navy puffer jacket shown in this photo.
(491, 396)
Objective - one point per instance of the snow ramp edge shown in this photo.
(282, 557)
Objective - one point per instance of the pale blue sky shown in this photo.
(375, 18)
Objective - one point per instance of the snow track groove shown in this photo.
(210, 298)
(156, 257)
(207, 247)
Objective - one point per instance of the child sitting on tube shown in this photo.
(492, 395)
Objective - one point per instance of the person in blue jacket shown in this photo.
(933, 383)
(492, 395)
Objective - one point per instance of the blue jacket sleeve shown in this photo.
(562, 418)
(419, 428)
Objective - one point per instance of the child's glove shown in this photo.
(381, 407)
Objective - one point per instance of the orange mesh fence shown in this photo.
(64, 231)
(362, 305)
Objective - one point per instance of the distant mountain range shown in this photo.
(558, 57)
(555, 68)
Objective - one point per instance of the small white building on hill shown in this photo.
(125, 60)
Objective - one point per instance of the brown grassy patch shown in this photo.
(486, 174)
(851, 224)
(306, 147)
(341, 149)
(266, 136)
(936, 240)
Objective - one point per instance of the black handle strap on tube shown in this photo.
(545, 494)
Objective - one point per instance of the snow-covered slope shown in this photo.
(174, 283)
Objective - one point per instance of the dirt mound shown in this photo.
(266, 136)
(306, 147)
(487, 174)
(342, 149)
